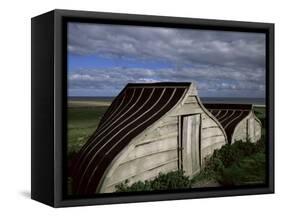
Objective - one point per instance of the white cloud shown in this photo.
(112, 80)
(219, 61)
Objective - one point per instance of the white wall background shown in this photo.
(15, 106)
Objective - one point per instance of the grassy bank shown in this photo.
(241, 163)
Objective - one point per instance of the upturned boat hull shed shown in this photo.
(148, 129)
(238, 120)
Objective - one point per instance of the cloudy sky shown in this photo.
(102, 59)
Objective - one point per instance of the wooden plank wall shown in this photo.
(154, 152)
(258, 128)
(242, 131)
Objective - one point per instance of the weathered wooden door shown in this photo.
(191, 144)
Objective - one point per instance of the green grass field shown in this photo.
(82, 122)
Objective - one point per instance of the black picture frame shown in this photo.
(49, 100)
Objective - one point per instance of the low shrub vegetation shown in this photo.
(250, 170)
(169, 181)
(237, 164)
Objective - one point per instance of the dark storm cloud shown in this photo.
(178, 46)
(217, 60)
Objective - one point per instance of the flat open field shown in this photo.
(83, 119)
(84, 116)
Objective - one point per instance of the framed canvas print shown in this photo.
(130, 108)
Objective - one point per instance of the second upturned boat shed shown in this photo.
(238, 120)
